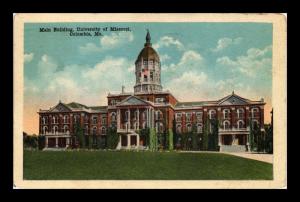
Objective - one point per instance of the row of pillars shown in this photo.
(56, 141)
(149, 118)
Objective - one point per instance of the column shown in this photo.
(128, 141)
(129, 124)
(219, 140)
(138, 119)
(56, 142)
(67, 141)
(137, 140)
(118, 119)
(152, 118)
(46, 141)
(147, 117)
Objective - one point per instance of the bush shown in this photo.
(112, 138)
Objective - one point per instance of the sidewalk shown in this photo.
(255, 156)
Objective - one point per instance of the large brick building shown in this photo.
(149, 106)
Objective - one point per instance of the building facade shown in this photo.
(149, 106)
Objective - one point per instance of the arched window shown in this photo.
(45, 129)
(189, 127)
(199, 128)
(103, 130)
(66, 119)
(113, 116)
(65, 129)
(44, 120)
(94, 130)
(55, 119)
(254, 112)
(226, 125)
(226, 113)
(240, 124)
(240, 113)
(178, 128)
(55, 129)
(212, 114)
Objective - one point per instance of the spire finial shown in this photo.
(148, 37)
(232, 92)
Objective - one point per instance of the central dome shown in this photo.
(148, 53)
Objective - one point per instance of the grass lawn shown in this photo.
(121, 165)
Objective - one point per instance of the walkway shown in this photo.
(255, 156)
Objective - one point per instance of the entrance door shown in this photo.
(242, 139)
(62, 142)
(142, 140)
(51, 142)
(133, 140)
(124, 141)
(227, 139)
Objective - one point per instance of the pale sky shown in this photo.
(200, 61)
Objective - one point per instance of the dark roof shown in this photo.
(98, 107)
(191, 104)
(76, 105)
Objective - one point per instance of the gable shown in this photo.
(60, 108)
(132, 101)
(233, 100)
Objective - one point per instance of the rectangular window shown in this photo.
(103, 120)
(145, 78)
(178, 117)
(95, 120)
(199, 116)
(188, 117)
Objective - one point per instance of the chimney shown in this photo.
(123, 89)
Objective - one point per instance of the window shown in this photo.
(199, 128)
(188, 117)
(226, 125)
(189, 127)
(158, 115)
(66, 119)
(54, 119)
(151, 76)
(95, 120)
(199, 116)
(94, 130)
(86, 118)
(254, 112)
(45, 129)
(55, 129)
(159, 100)
(212, 114)
(103, 130)
(178, 128)
(103, 120)
(226, 113)
(66, 129)
(113, 116)
(178, 116)
(240, 124)
(44, 120)
(86, 130)
(113, 102)
(76, 119)
(240, 113)
(145, 78)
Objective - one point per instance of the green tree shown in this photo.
(79, 133)
(205, 135)
(170, 140)
(153, 140)
(112, 138)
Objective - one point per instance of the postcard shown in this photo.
(176, 101)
